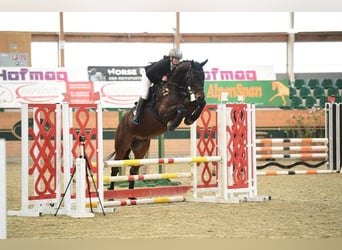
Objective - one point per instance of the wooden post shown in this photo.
(177, 37)
(61, 41)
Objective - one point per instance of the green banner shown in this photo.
(261, 93)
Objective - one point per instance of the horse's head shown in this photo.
(195, 80)
(190, 75)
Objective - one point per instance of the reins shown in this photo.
(185, 85)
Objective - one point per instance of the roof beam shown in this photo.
(188, 37)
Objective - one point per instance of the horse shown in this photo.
(180, 98)
(282, 91)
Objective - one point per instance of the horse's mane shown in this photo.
(181, 64)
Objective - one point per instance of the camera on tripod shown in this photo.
(82, 142)
(88, 173)
(82, 139)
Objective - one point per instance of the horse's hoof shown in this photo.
(170, 128)
(188, 122)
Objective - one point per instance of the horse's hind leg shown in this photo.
(139, 148)
(115, 170)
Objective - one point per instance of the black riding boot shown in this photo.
(138, 110)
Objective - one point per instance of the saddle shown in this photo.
(153, 96)
(152, 99)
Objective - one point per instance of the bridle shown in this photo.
(186, 85)
(189, 76)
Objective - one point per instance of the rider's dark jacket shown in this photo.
(156, 70)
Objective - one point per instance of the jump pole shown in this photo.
(298, 172)
(304, 156)
(310, 152)
(141, 201)
(147, 177)
(155, 191)
(180, 160)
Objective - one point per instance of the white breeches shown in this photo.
(145, 86)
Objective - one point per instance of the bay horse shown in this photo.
(180, 98)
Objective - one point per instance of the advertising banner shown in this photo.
(35, 85)
(240, 73)
(261, 93)
(115, 73)
(119, 86)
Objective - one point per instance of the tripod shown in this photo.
(87, 170)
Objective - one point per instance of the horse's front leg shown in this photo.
(172, 125)
(133, 171)
(195, 111)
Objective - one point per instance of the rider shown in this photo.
(156, 73)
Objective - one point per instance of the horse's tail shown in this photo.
(110, 156)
